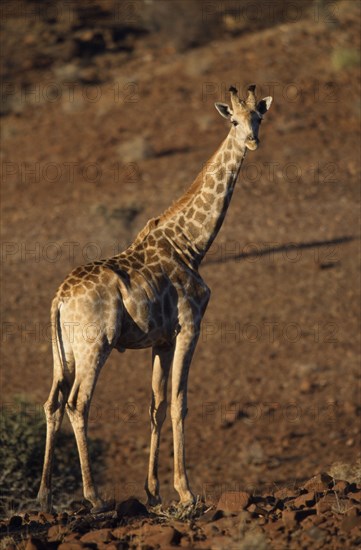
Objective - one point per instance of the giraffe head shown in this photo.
(245, 115)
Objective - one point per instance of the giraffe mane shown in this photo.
(188, 195)
(149, 226)
(183, 200)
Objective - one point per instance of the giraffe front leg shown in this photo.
(162, 360)
(186, 343)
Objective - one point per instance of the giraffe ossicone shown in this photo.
(150, 295)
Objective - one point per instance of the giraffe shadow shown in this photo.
(257, 252)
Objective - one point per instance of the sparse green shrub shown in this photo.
(22, 444)
(345, 58)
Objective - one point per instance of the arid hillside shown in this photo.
(107, 117)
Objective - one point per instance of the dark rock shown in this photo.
(3, 527)
(33, 525)
(35, 544)
(219, 514)
(63, 518)
(15, 522)
(131, 508)
(302, 514)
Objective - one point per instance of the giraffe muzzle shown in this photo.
(252, 143)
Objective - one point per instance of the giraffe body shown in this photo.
(130, 297)
(150, 295)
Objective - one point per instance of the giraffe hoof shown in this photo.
(189, 502)
(103, 506)
(44, 500)
(46, 508)
(154, 500)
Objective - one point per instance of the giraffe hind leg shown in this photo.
(54, 412)
(77, 409)
(54, 407)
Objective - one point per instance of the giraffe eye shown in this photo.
(235, 123)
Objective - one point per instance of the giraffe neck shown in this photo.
(193, 221)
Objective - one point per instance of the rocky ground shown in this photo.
(323, 513)
(107, 117)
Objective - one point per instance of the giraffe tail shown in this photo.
(60, 379)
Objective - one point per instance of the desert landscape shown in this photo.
(107, 117)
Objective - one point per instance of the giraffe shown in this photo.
(150, 295)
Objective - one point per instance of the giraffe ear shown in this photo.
(224, 110)
(264, 105)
